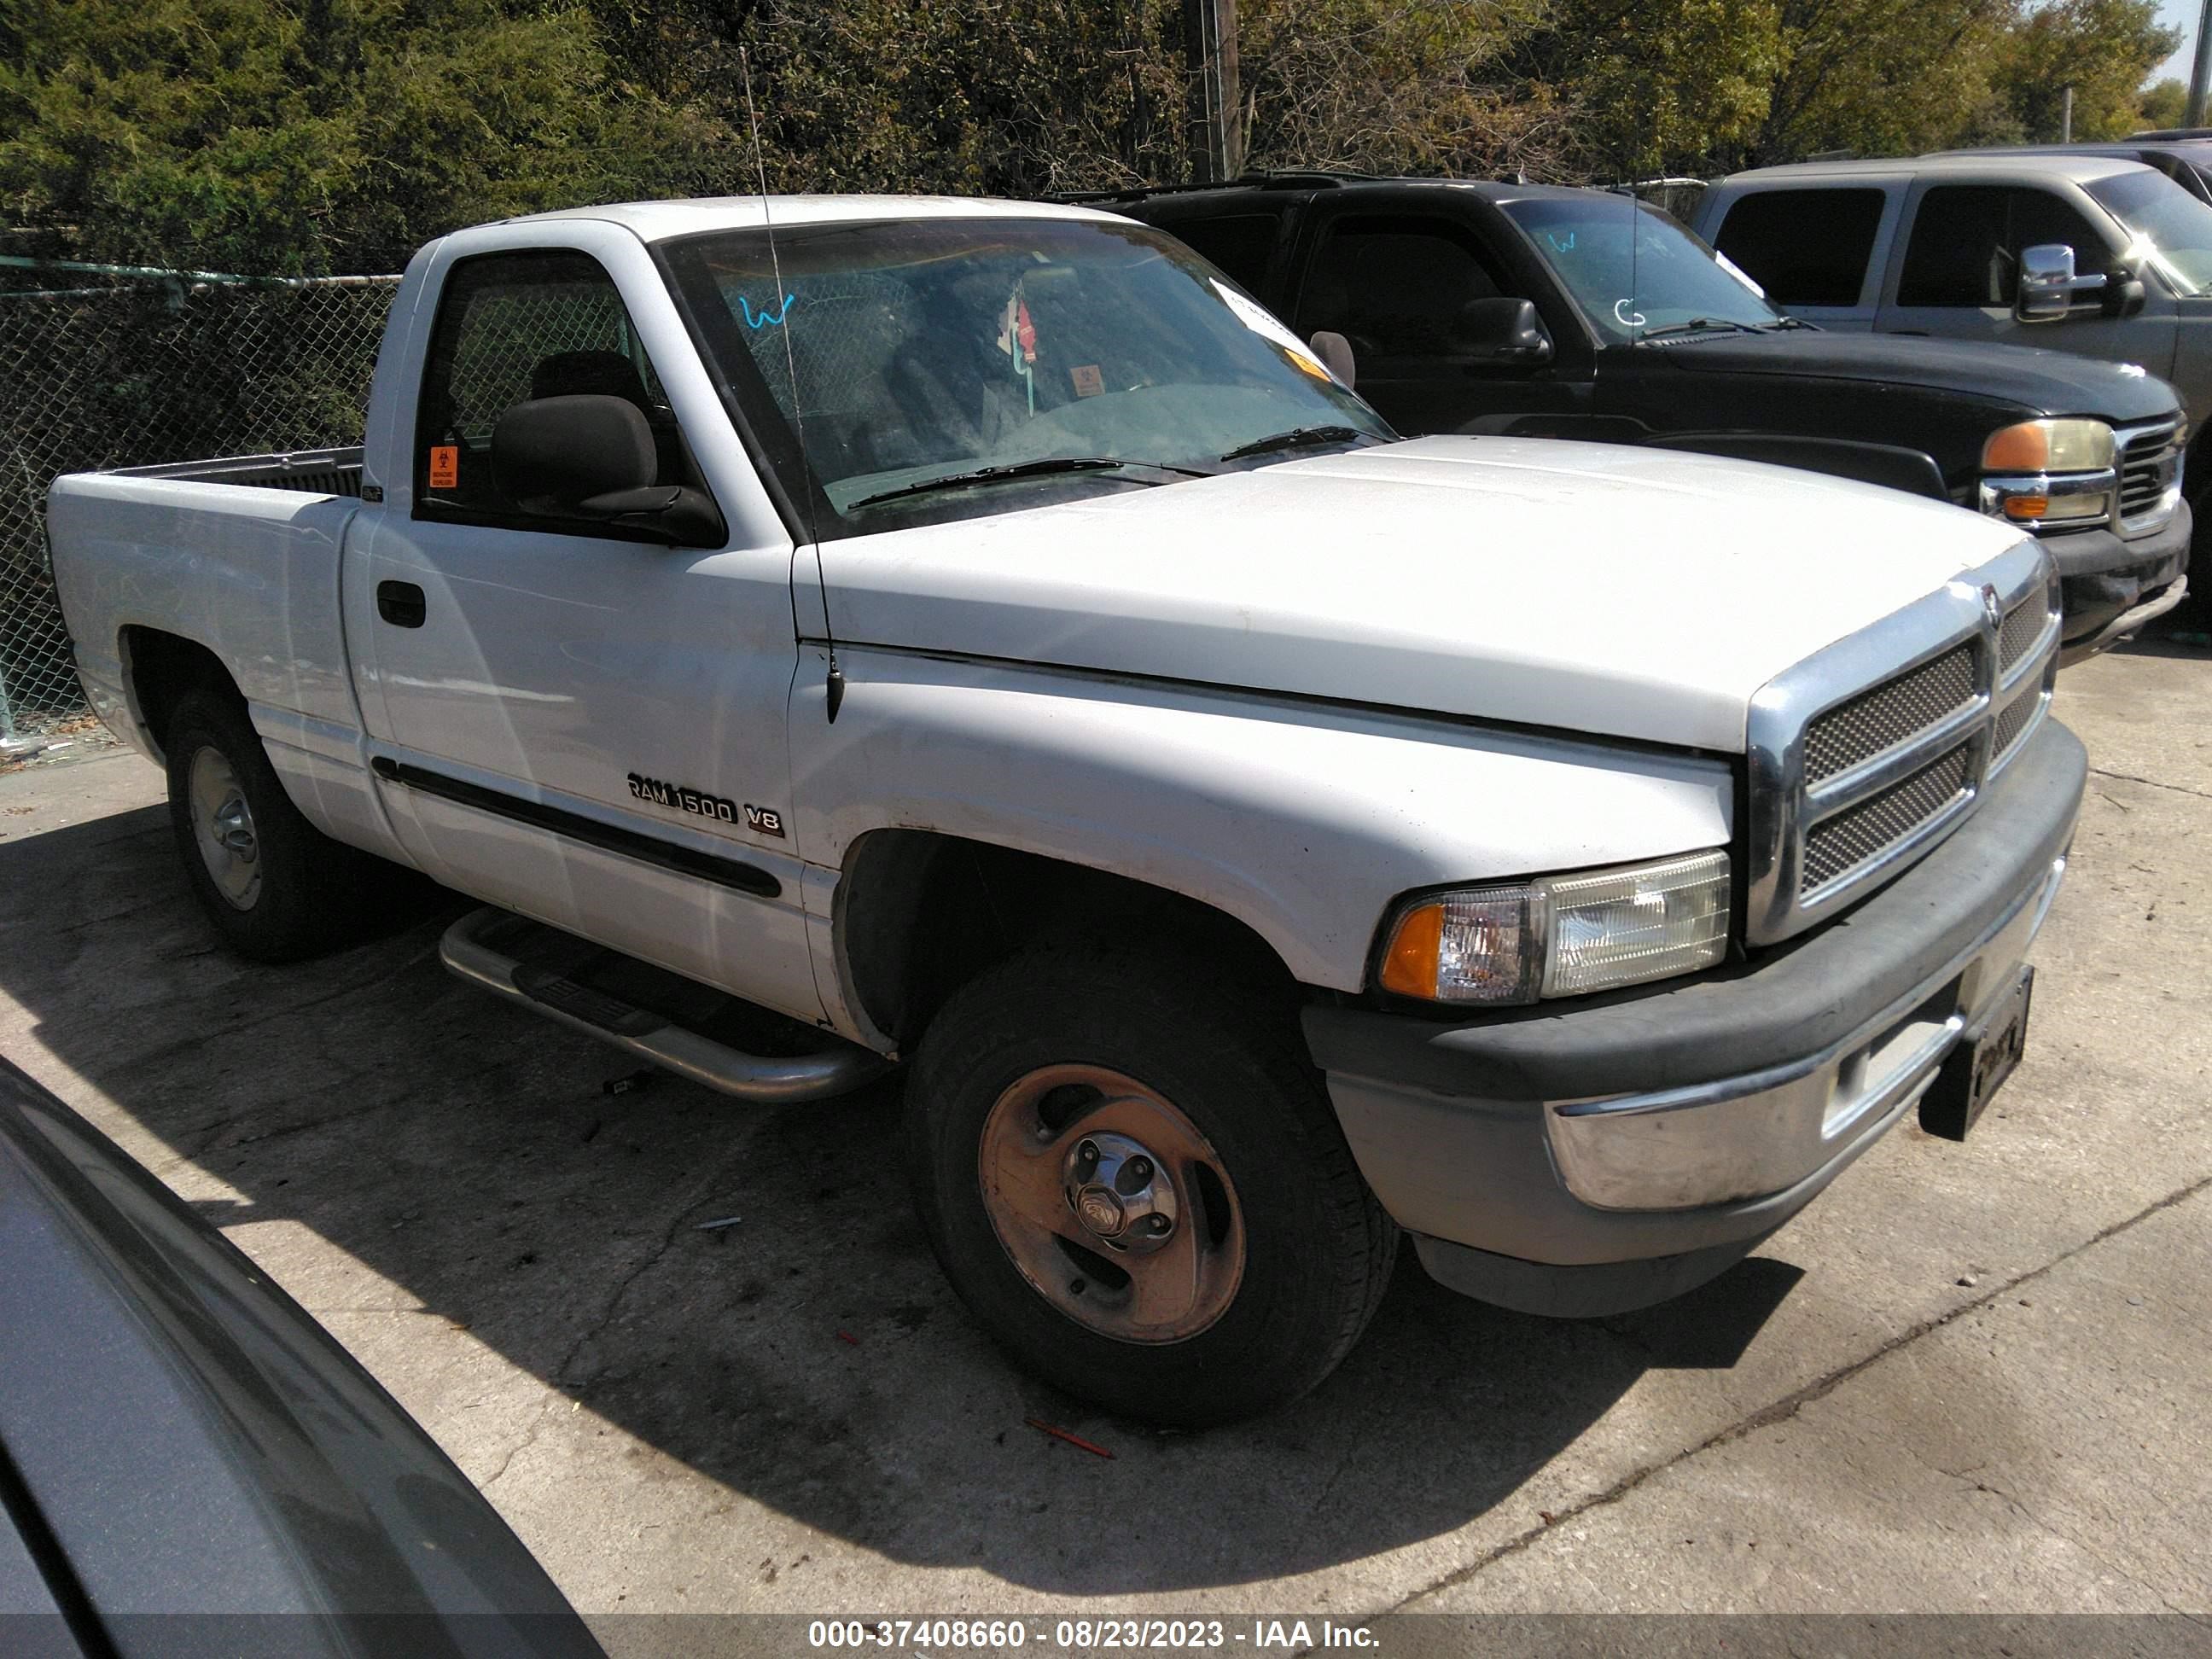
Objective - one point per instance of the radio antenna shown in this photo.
(835, 690)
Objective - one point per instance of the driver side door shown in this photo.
(1958, 273)
(570, 719)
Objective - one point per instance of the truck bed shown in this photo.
(240, 555)
(307, 471)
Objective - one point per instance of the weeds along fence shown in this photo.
(104, 367)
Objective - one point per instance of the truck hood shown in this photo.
(2044, 382)
(1587, 587)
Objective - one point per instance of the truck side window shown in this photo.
(1966, 241)
(1394, 288)
(1239, 246)
(516, 326)
(1805, 247)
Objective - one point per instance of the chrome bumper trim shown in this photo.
(1746, 1137)
(2126, 622)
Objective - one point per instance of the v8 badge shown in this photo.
(764, 820)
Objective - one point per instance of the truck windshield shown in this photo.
(1672, 282)
(2168, 228)
(952, 367)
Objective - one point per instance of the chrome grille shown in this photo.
(1848, 839)
(1858, 766)
(1875, 721)
(2146, 470)
(2015, 719)
(2023, 626)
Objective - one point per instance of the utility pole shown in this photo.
(1217, 138)
(2066, 116)
(2200, 70)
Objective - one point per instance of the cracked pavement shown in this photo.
(1968, 1379)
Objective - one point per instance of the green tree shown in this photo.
(2101, 48)
(2165, 105)
(335, 135)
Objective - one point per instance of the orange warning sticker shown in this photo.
(1087, 383)
(445, 466)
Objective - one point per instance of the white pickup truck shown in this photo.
(979, 636)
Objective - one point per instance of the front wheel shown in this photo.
(1136, 1182)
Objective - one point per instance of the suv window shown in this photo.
(1966, 241)
(1394, 288)
(1805, 247)
(517, 326)
(1239, 246)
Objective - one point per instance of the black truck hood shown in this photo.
(2048, 382)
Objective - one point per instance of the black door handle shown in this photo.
(401, 604)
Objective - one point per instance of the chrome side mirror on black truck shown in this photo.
(2048, 284)
(2049, 287)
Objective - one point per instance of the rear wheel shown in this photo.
(1136, 1182)
(274, 886)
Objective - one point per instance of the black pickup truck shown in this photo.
(1493, 307)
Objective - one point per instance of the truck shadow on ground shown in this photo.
(470, 1162)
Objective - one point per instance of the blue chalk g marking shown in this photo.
(766, 317)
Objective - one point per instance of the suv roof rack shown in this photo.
(1272, 179)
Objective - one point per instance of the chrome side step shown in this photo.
(489, 948)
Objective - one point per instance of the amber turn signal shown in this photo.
(1409, 968)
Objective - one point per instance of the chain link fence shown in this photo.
(106, 368)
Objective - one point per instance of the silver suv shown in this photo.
(2098, 255)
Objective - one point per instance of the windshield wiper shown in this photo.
(1786, 321)
(1038, 469)
(1698, 325)
(1298, 437)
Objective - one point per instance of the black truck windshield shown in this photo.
(951, 367)
(1671, 281)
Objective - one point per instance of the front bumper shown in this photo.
(1616, 1151)
(2112, 587)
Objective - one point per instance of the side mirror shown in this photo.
(1336, 353)
(592, 456)
(1502, 330)
(2048, 285)
(679, 514)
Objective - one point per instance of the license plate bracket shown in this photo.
(1977, 1068)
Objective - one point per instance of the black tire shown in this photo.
(313, 894)
(1318, 1248)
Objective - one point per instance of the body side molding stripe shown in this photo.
(648, 849)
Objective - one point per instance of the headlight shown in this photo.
(1562, 935)
(2049, 446)
(2054, 473)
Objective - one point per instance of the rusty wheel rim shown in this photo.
(1112, 1203)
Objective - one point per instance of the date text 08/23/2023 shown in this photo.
(998, 1635)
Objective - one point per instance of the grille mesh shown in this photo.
(2023, 626)
(2143, 472)
(1842, 843)
(1882, 719)
(2019, 715)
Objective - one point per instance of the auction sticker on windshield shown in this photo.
(1262, 323)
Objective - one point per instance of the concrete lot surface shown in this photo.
(1970, 1378)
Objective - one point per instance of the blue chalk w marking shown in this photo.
(766, 316)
